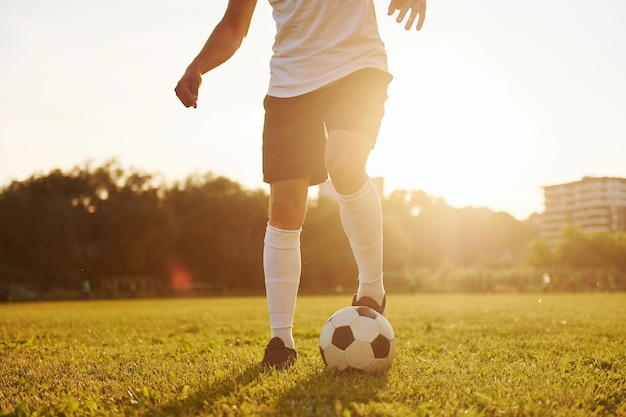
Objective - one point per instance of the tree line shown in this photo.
(114, 231)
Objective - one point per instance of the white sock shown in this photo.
(282, 266)
(362, 219)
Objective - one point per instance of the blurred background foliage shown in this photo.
(109, 231)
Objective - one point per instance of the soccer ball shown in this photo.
(358, 338)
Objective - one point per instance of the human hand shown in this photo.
(417, 7)
(187, 88)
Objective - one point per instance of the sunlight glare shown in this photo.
(470, 140)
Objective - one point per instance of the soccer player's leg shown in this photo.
(293, 159)
(360, 210)
(353, 120)
(282, 266)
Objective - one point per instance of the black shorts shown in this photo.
(294, 132)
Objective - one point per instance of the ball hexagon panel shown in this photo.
(326, 336)
(334, 357)
(385, 327)
(364, 329)
(344, 317)
(359, 354)
(378, 365)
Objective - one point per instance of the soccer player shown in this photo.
(323, 109)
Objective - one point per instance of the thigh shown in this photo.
(357, 102)
(294, 139)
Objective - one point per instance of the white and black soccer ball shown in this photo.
(358, 338)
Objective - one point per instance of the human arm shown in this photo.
(416, 7)
(223, 42)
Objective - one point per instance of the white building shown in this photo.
(593, 204)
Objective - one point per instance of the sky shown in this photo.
(491, 101)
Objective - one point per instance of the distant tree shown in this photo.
(574, 249)
(539, 254)
(219, 231)
(619, 256)
(592, 250)
(63, 228)
(96, 223)
(130, 228)
(40, 236)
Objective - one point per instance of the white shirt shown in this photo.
(320, 41)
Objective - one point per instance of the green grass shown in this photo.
(470, 355)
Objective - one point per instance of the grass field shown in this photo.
(470, 355)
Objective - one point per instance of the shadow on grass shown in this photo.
(320, 393)
(327, 392)
(223, 387)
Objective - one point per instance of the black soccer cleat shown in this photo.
(277, 355)
(369, 302)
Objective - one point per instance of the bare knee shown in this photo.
(288, 200)
(286, 214)
(345, 176)
(346, 157)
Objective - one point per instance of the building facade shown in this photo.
(594, 204)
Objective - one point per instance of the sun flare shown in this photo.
(469, 142)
